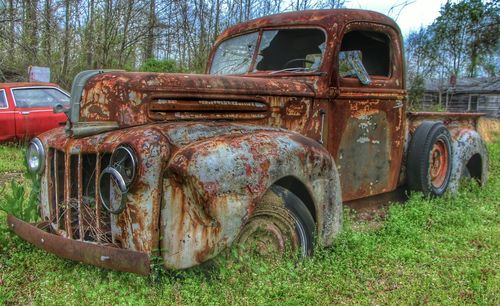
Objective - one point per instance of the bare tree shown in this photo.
(72, 35)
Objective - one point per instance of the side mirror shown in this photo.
(351, 64)
(59, 108)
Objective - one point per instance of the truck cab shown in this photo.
(296, 114)
(356, 112)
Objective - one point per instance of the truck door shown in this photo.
(368, 114)
(7, 124)
(34, 109)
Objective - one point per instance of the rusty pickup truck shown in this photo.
(296, 115)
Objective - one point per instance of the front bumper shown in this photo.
(89, 253)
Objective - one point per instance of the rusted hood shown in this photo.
(126, 97)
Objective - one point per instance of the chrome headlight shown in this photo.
(112, 190)
(35, 156)
(124, 160)
(116, 179)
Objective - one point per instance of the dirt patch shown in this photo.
(489, 129)
(370, 218)
(6, 177)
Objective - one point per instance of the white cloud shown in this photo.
(412, 17)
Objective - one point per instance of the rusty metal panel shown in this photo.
(80, 197)
(55, 182)
(194, 186)
(455, 122)
(46, 189)
(97, 255)
(211, 187)
(363, 154)
(67, 195)
(328, 19)
(134, 94)
(367, 142)
(136, 227)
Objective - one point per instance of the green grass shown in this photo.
(440, 251)
(11, 158)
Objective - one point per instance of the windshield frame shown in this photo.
(251, 69)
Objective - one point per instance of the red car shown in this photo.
(26, 109)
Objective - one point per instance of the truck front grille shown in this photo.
(73, 192)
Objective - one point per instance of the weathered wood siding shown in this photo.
(469, 95)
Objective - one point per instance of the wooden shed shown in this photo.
(468, 95)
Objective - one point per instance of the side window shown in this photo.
(39, 97)
(3, 99)
(371, 48)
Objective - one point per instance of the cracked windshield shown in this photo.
(286, 50)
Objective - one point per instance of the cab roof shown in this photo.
(334, 19)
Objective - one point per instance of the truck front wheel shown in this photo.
(280, 223)
(429, 159)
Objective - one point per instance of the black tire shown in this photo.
(429, 160)
(279, 219)
(304, 222)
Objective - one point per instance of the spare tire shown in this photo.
(429, 159)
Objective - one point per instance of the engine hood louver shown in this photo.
(162, 109)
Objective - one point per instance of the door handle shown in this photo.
(322, 113)
(24, 113)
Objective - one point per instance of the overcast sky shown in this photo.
(419, 13)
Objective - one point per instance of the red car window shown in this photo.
(3, 99)
(39, 97)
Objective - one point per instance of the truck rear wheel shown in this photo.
(429, 159)
(280, 223)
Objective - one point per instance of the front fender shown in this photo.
(211, 188)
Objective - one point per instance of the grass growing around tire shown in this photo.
(440, 251)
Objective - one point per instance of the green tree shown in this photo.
(154, 65)
(465, 36)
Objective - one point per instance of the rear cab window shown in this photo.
(39, 97)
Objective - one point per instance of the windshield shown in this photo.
(284, 50)
(234, 55)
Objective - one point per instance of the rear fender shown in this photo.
(467, 144)
(212, 187)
